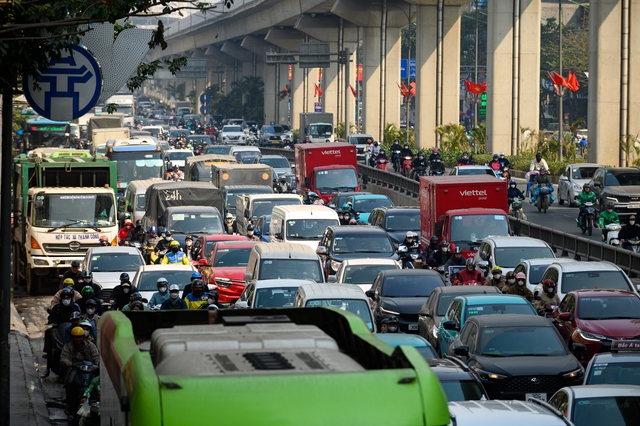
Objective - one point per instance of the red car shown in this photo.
(207, 242)
(228, 262)
(595, 318)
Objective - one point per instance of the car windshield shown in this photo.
(272, 269)
(363, 274)
(612, 307)
(362, 243)
(275, 162)
(147, 279)
(273, 129)
(410, 286)
(583, 172)
(583, 280)
(536, 271)
(475, 228)
(230, 195)
(365, 205)
(192, 223)
(232, 256)
(614, 373)
(606, 410)
(509, 257)
(180, 155)
(409, 221)
(355, 306)
(115, 262)
(358, 140)
(622, 179)
(461, 390)
(500, 308)
(307, 229)
(520, 341)
(464, 171)
(336, 180)
(219, 149)
(280, 297)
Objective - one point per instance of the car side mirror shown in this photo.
(331, 279)
(578, 348)
(370, 294)
(321, 250)
(248, 276)
(461, 351)
(242, 304)
(565, 316)
(483, 264)
(450, 325)
(424, 312)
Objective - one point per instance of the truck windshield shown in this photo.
(272, 269)
(320, 130)
(476, 227)
(137, 165)
(192, 223)
(336, 180)
(264, 207)
(308, 229)
(230, 195)
(73, 210)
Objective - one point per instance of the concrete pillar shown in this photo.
(201, 85)
(513, 90)
(633, 127)
(390, 80)
(270, 93)
(297, 96)
(371, 82)
(330, 88)
(283, 104)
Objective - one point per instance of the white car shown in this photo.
(362, 272)
(177, 157)
(576, 275)
(472, 170)
(598, 404)
(147, 277)
(233, 135)
(573, 177)
(534, 268)
(108, 263)
(507, 252)
(270, 293)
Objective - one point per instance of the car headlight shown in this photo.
(434, 331)
(487, 375)
(577, 374)
(386, 312)
(335, 265)
(590, 336)
(577, 187)
(615, 200)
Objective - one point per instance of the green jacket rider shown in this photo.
(585, 196)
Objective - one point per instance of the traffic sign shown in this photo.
(203, 109)
(70, 87)
(204, 99)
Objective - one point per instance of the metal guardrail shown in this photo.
(565, 243)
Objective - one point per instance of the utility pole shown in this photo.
(560, 89)
(475, 72)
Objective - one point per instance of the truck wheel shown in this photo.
(33, 283)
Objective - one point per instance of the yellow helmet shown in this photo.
(77, 331)
(174, 243)
(68, 281)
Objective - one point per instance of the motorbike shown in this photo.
(407, 165)
(407, 258)
(436, 171)
(588, 214)
(548, 310)
(633, 244)
(381, 163)
(395, 159)
(79, 379)
(54, 336)
(543, 199)
(612, 231)
(419, 171)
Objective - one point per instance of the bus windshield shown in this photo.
(50, 134)
(73, 210)
(137, 165)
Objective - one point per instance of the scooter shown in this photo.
(407, 258)
(634, 244)
(543, 199)
(79, 379)
(395, 158)
(588, 213)
(419, 171)
(382, 163)
(612, 231)
(407, 165)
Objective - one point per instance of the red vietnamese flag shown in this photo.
(475, 88)
(355, 94)
(572, 82)
(413, 88)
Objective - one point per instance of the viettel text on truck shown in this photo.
(63, 202)
(326, 168)
(462, 210)
(294, 366)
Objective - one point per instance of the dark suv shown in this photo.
(620, 185)
(352, 242)
(396, 221)
(271, 135)
(458, 381)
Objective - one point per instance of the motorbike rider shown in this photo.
(92, 315)
(510, 281)
(585, 196)
(547, 297)
(174, 301)
(68, 285)
(71, 273)
(177, 174)
(537, 163)
(86, 279)
(465, 160)
(104, 241)
(174, 256)
(283, 186)
(419, 164)
(158, 298)
(441, 257)
(150, 243)
(393, 325)
(505, 175)
(495, 163)
(608, 217)
(456, 260)
(230, 225)
(78, 350)
(629, 231)
(136, 301)
(137, 234)
(382, 155)
(497, 280)
(384, 323)
(411, 242)
(88, 331)
(87, 294)
(437, 166)
(513, 193)
(197, 297)
(515, 210)
(212, 301)
(124, 232)
(504, 161)
(121, 292)
(188, 288)
(536, 192)
(406, 151)
(433, 155)
(373, 151)
(469, 275)
(188, 247)
(166, 236)
(429, 251)
(543, 177)
(396, 156)
(313, 198)
(251, 233)
(520, 288)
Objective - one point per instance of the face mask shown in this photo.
(511, 281)
(550, 290)
(632, 222)
(444, 249)
(249, 232)
(211, 301)
(188, 243)
(91, 311)
(392, 329)
(125, 290)
(174, 249)
(197, 293)
(174, 295)
(465, 157)
(520, 283)
(86, 333)
(168, 238)
(513, 186)
(497, 276)
(163, 289)
(229, 220)
(609, 210)
(66, 302)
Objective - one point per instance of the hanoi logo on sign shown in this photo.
(69, 88)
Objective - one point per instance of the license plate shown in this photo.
(275, 142)
(413, 326)
(633, 206)
(540, 396)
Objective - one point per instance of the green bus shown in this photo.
(311, 366)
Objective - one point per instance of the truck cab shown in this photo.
(253, 206)
(466, 228)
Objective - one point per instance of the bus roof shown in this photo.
(133, 145)
(44, 120)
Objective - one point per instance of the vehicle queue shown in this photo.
(503, 331)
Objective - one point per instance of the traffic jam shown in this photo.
(498, 317)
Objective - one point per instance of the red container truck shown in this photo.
(326, 168)
(462, 210)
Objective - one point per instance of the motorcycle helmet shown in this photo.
(433, 240)
(393, 319)
(196, 275)
(75, 264)
(513, 182)
(67, 293)
(75, 316)
(549, 286)
(586, 185)
(174, 243)
(543, 170)
(444, 244)
(77, 332)
(496, 269)
(384, 320)
(470, 262)
(153, 230)
(87, 276)
(517, 204)
(124, 277)
(313, 195)
(68, 282)
(91, 302)
(162, 281)
(457, 250)
(103, 239)
(381, 150)
(610, 205)
(88, 290)
(136, 296)
(502, 154)
(420, 154)
(138, 222)
(495, 156)
(411, 235)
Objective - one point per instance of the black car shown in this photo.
(396, 221)
(352, 242)
(458, 381)
(620, 185)
(401, 292)
(339, 198)
(517, 356)
(435, 307)
(271, 135)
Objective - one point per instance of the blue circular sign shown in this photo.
(69, 88)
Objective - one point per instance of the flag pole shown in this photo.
(560, 89)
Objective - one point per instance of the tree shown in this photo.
(33, 32)
(468, 38)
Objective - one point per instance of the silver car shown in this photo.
(233, 135)
(572, 179)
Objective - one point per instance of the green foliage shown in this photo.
(391, 132)
(453, 137)
(18, 120)
(353, 129)
(480, 137)
(245, 99)
(629, 145)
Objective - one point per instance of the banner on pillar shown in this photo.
(290, 72)
(317, 107)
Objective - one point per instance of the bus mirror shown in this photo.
(38, 204)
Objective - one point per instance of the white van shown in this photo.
(276, 261)
(346, 297)
(304, 224)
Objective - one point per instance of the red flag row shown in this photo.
(475, 88)
(406, 91)
(571, 82)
